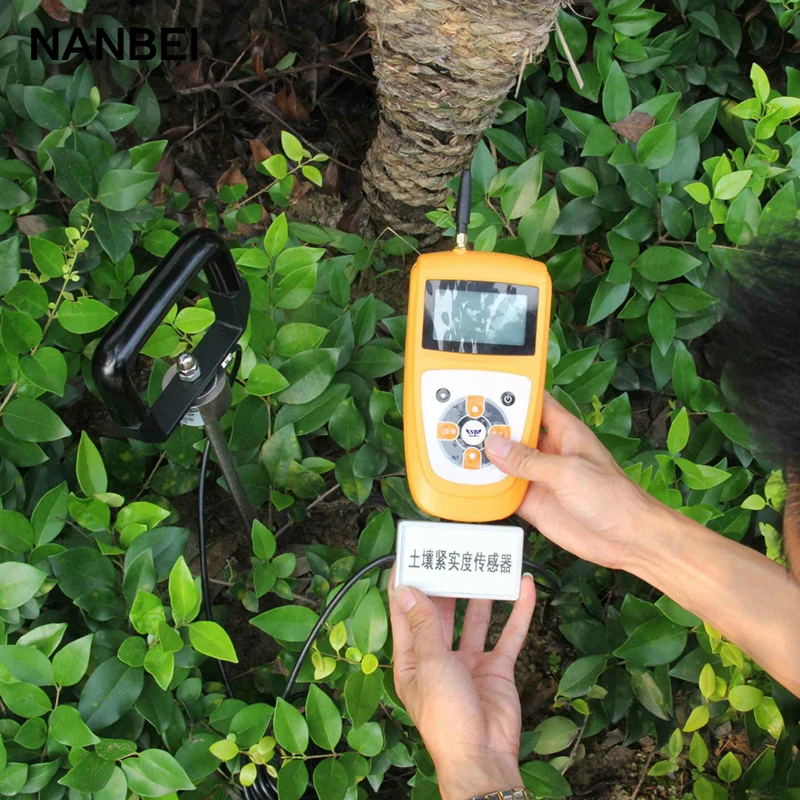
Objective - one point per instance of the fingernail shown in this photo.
(405, 598)
(527, 575)
(498, 446)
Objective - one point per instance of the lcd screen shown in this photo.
(480, 317)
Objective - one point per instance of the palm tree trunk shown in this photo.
(443, 68)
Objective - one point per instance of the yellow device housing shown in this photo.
(434, 494)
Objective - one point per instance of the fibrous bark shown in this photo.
(443, 68)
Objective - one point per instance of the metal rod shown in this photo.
(219, 444)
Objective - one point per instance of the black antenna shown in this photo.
(463, 204)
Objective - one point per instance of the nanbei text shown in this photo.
(136, 43)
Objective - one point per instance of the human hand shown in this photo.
(464, 702)
(579, 497)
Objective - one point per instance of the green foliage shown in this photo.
(636, 187)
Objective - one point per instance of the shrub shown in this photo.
(635, 188)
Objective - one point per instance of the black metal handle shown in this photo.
(114, 357)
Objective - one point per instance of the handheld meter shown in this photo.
(476, 355)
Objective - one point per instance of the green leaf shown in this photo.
(661, 324)
(544, 780)
(149, 120)
(616, 95)
(657, 146)
(655, 642)
(522, 188)
(697, 719)
(113, 231)
(194, 319)
(110, 693)
(308, 374)
(362, 695)
(46, 108)
(287, 623)
(25, 700)
(18, 584)
(367, 739)
(369, 624)
(553, 735)
(67, 727)
(210, 639)
(16, 533)
(163, 770)
(331, 780)
(47, 256)
(123, 189)
(729, 186)
(73, 173)
(347, 426)
(47, 369)
(89, 775)
(608, 297)
(580, 676)
(324, 719)
(27, 664)
(147, 612)
(264, 380)
(291, 730)
(292, 778)
(85, 315)
(183, 594)
(664, 263)
(698, 751)
(116, 116)
(729, 769)
(11, 195)
(760, 82)
(295, 337)
(579, 181)
(678, 435)
(91, 471)
(375, 361)
(377, 538)
(33, 421)
(743, 698)
(699, 191)
(536, 227)
(71, 662)
(291, 146)
(295, 288)
(650, 695)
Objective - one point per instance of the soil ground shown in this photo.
(328, 99)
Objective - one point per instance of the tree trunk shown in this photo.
(443, 67)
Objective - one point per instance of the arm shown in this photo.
(751, 600)
(581, 500)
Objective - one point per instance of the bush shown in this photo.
(636, 188)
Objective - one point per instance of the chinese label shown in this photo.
(460, 560)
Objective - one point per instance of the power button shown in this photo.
(507, 399)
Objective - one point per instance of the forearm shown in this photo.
(750, 599)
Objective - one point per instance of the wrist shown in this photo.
(485, 773)
(657, 539)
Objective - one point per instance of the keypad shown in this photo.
(463, 427)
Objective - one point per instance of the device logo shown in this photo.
(136, 43)
(473, 432)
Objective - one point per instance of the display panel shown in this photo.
(481, 317)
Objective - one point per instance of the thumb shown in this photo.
(423, 622)
(515, 458)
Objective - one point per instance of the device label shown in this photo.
(193, 418)
(460, 560)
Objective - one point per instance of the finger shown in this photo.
(515, 458)
(402, 640)
(519, 621)
(446, 609)
(564, 434)
(418, 612)
(476, 625)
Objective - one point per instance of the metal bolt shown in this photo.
(188, 370)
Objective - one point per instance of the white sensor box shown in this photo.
(453, 559)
